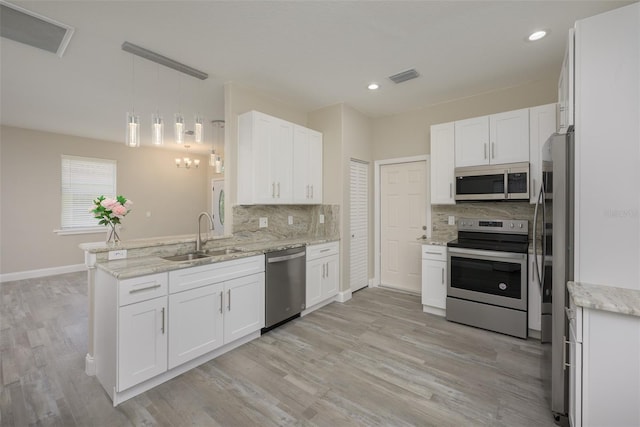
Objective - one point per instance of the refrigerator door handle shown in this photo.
(535, 236)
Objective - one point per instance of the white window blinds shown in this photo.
(84, 179)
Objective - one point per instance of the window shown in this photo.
(84, 179)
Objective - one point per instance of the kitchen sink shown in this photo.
(227, 251)
(186, 257)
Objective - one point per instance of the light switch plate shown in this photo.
(119, 254)
(452, 220)
(264, 222)
(290, 220)
(321, 219)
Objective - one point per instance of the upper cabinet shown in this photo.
(565, 87)
(495, 139)
(307, 165)
(442, 169)
(278, 162)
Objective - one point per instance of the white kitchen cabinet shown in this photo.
(142, 342)
(443, 164)
(542, 124)
(434, 279)
(495, 139)
(566, 87)
(323, 274)
(307, 166)
(213, 305)
(604, 355)
(245, 306)
(472, 142)
(270, 170)
(534, 310)
(196, 323)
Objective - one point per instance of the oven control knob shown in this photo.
(502, 286)
(520, 225)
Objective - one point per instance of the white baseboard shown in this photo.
(43, 272)
(344, 296)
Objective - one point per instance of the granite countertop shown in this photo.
(607, 298)
(150, 264)
(432, 241)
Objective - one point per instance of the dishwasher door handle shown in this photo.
(285, 257)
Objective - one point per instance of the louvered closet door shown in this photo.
(359, 219)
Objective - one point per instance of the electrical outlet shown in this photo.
(321, 219)
(290, 219)
(264, 222)
(119, 254)
(452, 220)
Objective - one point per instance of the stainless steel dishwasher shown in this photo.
(284, 286)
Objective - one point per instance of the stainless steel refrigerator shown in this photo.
(554, 231)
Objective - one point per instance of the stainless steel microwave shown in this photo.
(493, 182)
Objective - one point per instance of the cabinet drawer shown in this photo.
(434, 252)
(191, 278)
(142, 288)
(323, 250)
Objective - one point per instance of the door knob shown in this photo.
(424, 227)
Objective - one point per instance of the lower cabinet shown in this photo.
(152, 328)
(434, 279)
(323, 273)
(142, 341)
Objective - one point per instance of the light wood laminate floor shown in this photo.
(375, 360)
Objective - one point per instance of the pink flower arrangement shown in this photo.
(110, 211)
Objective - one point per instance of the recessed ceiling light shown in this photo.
(537, 35)
(373, 86)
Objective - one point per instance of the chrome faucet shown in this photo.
(199, 237)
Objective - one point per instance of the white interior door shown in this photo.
(403, 195)
(358, 224)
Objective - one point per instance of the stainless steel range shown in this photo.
(487, 285)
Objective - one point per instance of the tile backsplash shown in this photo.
(489, 210)
(306, 221)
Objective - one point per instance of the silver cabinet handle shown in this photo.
(325, 250)
(312, 191)
(273, 190)
(327, 264)
(221, 300)
(162, 320)
(307, 191)
(229, 300)
(485, 150)
(450, 190)
(133, 291)
(443, 275)
(493, 150)
(323, 270)
(278, 190)
(432, 253)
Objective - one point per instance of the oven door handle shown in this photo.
(492, 255)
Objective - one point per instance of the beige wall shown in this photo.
(407, 134)
(30, 196)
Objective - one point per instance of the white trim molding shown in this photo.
(376, 194)
(43, 272)
(344, 296)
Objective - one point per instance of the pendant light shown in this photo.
(178, 128)
(198, 129)
(157, 125)
(133, 121)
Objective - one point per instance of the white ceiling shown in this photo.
(308, 53)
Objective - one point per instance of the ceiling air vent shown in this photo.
(404, 76)
(35, 30)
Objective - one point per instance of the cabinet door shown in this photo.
(472, 142)
(331, 280)
(534, 312)
(542, 124)
(244, 311)
(509, 137)
(142, 342)
(315, 276)
(434, 283)
(315, 166)
(264, 158)
(442, 164)
(281, 156)
(196, 323)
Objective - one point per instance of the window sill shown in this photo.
(84, 230)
